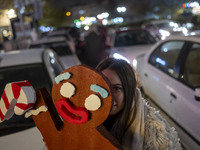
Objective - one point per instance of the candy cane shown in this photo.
(18, 97)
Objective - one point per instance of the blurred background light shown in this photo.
(46, 29)
(121, 9)
(118, 20)
(86, 28)
(68, 13)
(104, 21)
(89, 21)
(81, 12)
(190, 4)
(11, 13)
(118, 56)
(103, 15)
(82, 18)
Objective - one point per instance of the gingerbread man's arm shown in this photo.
(43, 98)
(17, 98)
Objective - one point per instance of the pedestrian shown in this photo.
(134, 123)
(93, 47)
(103, 32)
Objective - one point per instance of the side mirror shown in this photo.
(197, 94)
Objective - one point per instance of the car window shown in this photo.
(192, 67)
(61, 48)
(150, 27)
(166, 55)
(133, 38)
(37, 75)
(164, 25)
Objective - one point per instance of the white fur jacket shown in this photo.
(158, 135)
(148, 129)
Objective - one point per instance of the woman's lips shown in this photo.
(71, 113)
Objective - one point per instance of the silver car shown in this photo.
(64, 48)
(161, 29)
(130, 43)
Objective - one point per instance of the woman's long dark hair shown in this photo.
(128, 79)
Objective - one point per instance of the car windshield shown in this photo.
(61, 48)
(164, 25)
(131, 38)
(37, 75)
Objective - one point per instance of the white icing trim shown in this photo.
(36, 111)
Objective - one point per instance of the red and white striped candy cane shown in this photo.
(18, 97)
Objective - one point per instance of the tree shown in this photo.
(53, 16)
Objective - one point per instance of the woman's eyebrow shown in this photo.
(63, 76)
(117, 84)
(102, 91)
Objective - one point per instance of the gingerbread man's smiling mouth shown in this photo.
(71, 113)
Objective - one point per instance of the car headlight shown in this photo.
(118, 56)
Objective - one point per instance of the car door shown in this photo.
(187, 106)
(160, 72)
(170, 78)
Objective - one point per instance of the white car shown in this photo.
(170, 76)
(161, 29)
(130, 43)
(64, 48)
(39, 67)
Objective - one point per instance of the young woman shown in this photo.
(132, 121)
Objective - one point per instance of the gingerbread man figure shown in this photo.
(72, 119)
(83, 100)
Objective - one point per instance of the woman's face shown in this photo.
(117, 90)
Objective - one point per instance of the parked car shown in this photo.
(194, 33)
(72, 34)
(64, 48)
(68, 32)
(39, 67)
(130, 43)
(161, 29)
(170, 76)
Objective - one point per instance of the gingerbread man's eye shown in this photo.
(92, 102)
(67, 90)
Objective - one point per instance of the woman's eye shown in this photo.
(116, 88)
